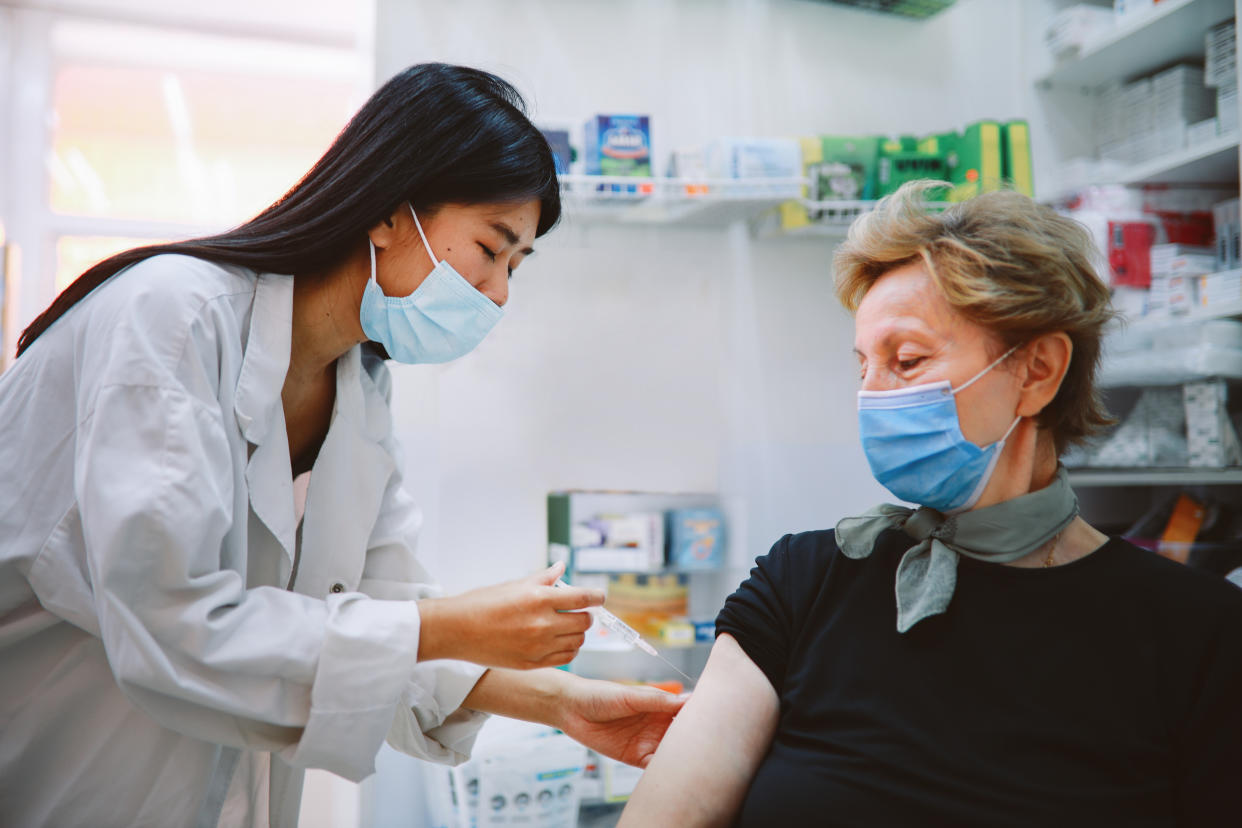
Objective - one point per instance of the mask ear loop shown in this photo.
(422, 235)
(1009, 431)
(998, 361)
(372, 246)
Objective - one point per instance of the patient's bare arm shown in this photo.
(704, 766)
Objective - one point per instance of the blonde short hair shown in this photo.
(1005, 262)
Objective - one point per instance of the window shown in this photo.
(128, 134)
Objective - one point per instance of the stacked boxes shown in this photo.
(1174, 272)
(1179, 99)
(1220, 57)
(1217, 289)
(1227, 107)
(1226, 224)
(1154, 116)
(1221, 73)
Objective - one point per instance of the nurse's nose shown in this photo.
(496, 287)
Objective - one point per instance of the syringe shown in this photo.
(627, 633)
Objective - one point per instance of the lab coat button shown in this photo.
(338, 587)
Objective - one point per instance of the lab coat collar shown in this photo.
(260, 417)
(356, 467)
(267, 356)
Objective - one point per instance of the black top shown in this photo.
(1104, 692)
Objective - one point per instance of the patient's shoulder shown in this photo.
(804, 554)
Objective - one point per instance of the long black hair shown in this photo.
(434, 134)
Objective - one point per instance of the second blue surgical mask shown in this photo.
(914, 444)
(444, 318)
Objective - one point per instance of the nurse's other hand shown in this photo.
(617, 720)
(520, 624)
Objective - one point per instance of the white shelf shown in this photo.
(1155, 477)
(831, 219)
(1171, 31)
(1150, 324)
(1132, 359)
(1212, 162)
(709, 202)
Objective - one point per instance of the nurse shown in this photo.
(176, 642)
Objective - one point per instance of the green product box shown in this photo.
(847, 170)
(980, 167)
(943, 144)
(899, 167)
(1016, 157)
(902, 143)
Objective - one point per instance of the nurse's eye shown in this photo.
(909, 364)
(487, 251)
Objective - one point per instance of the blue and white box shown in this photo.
(617, 145)
(696, 538)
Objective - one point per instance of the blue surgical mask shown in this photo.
(914, 444)
(443, 319)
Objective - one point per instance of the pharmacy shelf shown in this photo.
(690, 201)
(1132, 358)
(1155, 477)
(829, 219)
(1151, 324)
(1144, 42)
(1212, 162)
(1142, 369)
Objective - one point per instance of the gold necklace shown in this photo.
(1052, 550)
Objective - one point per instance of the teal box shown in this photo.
(695, 538)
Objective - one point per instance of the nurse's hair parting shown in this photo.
(434, 134)
(1005, 262)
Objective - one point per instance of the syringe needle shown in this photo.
(670, 664)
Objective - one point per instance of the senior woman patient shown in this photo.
(988, 659)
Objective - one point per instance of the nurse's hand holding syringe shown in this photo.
(519, 624)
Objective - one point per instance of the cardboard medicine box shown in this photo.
(695, 538)
(847, 170)
(617, 145)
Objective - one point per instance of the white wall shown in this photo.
(666, 358)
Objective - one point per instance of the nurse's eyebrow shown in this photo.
(511, 237)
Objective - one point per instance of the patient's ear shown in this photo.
(1044, 362)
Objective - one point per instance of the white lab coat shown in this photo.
(170, 638)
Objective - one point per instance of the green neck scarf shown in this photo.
(927, 574)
